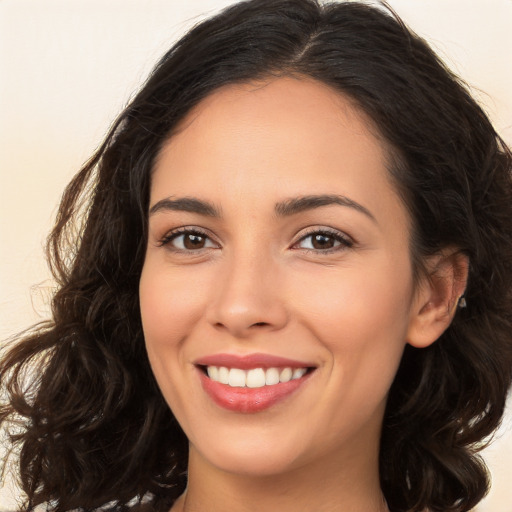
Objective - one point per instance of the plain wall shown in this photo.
(68, 67)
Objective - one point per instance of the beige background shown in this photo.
(67, 67)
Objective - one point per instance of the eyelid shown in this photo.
(184, 230)
(346, 241)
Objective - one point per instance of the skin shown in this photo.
(257, 284)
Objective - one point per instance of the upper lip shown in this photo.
(250, 361)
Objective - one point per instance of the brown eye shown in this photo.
(193, 241)
(321, 241)
(324, 242)
(188, 241)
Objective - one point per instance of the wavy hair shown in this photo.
(91, 426)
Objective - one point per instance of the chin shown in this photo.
(258, 458)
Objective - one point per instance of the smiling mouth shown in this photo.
(255, 377)
(251, 383)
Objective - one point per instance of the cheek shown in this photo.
(361, 316)
(170, 304)
(361, 321)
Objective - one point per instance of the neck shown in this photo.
(328, 487)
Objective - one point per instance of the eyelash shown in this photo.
(343, 241)
(173, 235)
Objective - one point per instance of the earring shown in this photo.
(462, 302)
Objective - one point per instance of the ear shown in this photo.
(437, 297)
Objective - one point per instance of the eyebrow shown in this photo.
(185, 204)
(283, 208)
(310, 202)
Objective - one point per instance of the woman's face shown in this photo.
(278, 262)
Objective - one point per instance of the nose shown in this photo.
(249, 297)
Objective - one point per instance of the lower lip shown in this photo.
(249, 400)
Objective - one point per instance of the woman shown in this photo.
(298, 240)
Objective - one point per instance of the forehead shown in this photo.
(286, 108)
(275, 139)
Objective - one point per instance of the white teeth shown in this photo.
(272, 376)
(255, 378)
(213, 372)
(236, 378)
(285, 375)
(298, 373)
(223, 375)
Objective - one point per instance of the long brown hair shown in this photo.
(94, 428)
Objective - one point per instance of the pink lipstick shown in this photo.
(249, 361)
(251, 383)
